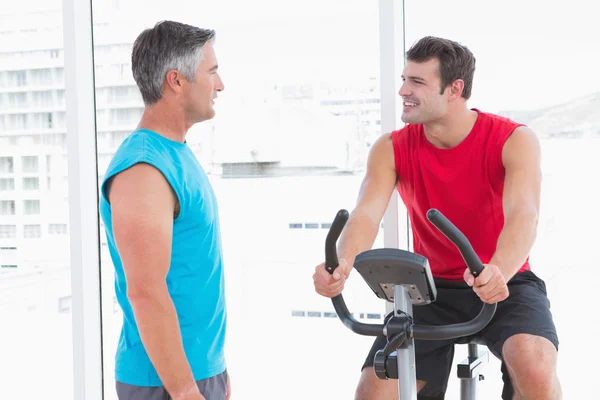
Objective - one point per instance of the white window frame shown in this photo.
(392, 48)
(83, 200)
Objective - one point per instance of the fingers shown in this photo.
(324, 275)
(329, 285)
(483, 278)
(496, 299)
(468, 277)
(492, 292)
(486, 276)
(490, 285)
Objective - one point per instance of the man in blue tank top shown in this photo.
(162, 226)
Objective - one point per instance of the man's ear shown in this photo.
(173, 80)
(456, 89)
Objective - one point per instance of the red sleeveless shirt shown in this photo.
(465, 183)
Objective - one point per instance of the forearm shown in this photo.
(158, 325)
(358, 236)
(515, 242)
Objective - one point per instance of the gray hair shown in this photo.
(169, 45)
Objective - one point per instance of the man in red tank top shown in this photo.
(482, 171)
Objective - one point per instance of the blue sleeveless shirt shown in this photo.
(195, 279)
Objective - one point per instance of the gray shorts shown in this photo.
(213, 388)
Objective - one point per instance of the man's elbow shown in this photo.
(525, 216)
(365, 218)
(142, 293)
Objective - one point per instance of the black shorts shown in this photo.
(526, 310)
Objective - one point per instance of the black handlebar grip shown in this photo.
(331, 259)
(458, 238)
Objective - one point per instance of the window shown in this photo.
(6, 165)
(17, 122)
(31, 207)
(34, 273)
(60, 97)
(116, 138)
(315, 82)
(41, 121)
(21, 78)
(30, 164)
(282, 185)
(125, 116)
(121, 94)
(41, 77)
(7, 207)
(60, 80)
(7, 184)
(17, 100)
(8, 231)
(32, 231)
(43, 99)
(31, 183)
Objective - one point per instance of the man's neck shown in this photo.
(160, 119)
(450, 130)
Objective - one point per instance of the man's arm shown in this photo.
(142, 204)
(363, 223)
(374, 195)
(521, 157)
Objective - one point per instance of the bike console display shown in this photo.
(382, 269)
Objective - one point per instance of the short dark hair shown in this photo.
(168, 45)
(456, 61)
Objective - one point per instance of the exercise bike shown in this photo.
(404, 278)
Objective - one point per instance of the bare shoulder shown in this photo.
(382, 152)
(522, 144)
(384, 139)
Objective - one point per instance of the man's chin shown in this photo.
(407, 119)
(206, 116)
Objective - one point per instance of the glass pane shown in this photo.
(286, 150)
(36, 339)
(546, 78)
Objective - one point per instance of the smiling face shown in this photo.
(423, 98)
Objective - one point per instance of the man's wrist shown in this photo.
(507, 272)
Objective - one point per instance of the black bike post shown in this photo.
(468, 387)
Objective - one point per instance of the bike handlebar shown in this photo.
(458, 238)
(331, 263)
(427, 332)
